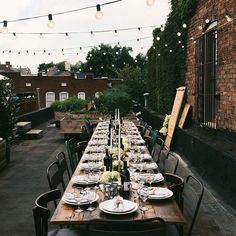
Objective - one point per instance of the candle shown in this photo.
(118, 114)
(119, 142)
(111, 140)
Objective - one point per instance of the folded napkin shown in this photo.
(118, 203)
(161, 192)
(70, 197)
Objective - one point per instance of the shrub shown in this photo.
(116, 97)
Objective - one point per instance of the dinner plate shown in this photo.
(82, 180)
(71, 200)
(157, 177)
(123, 212)
(161, 193)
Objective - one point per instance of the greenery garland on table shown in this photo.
(167, 71)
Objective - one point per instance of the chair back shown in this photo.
(157, 150)
(72, 153)
(151, 227)
(176, 184)
(55, 176)
(193, 194)
(41, 213)
(61, 158)
(168, 162)
(89, 128)
(151, 143)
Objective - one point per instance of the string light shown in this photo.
(4, 29)
(158, 38)
(150, 2)
(200, 27)
(179, 34)
(166, 45)
(179, 41)
(170, 50)
(162, 28)
(99, 14)
(228, 18)
(184, 26)
(159, 54)
(207, 21)
(51, 23)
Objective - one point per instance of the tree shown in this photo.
(44, 67)
(133, 80)
(106, 60)
(140, 61)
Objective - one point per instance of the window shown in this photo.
(206, 61)
(50, 98)
(63, 96)
(81, 95)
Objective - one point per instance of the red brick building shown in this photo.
(49, 88)
(211, 64)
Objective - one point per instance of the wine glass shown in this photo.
(150, 176)
(91, 196)
(78, 198)
(143, 195)
(95, 177)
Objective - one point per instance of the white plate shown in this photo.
(118, 212)
(164, 193)
(74, 202)
(158, 177)
(82, 180)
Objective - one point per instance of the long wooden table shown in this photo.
(166, 209)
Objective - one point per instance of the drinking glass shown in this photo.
(91, 195)
(143, 195)
(150, 176)
(78, 197)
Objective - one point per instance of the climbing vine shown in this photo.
(167, 56)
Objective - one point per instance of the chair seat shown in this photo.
(65, 232)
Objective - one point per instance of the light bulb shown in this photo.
(179, 34)
(162, 28)
(158, 54)
(51, 23)
(228, 18)
(184, 25)
(4, 29)
(99, 14)
(150, 2)
(158, 38)
(207, 21)
(170, 50)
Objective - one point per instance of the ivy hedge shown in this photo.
(166, 69)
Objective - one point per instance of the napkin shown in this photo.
(118, 203)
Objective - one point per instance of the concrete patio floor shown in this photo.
(25, 178)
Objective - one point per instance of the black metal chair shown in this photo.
(176, 184)
(71, 147)
(168, 162)
(157, 150)
(41, 214)
(151, 140)
(192, 198)
(151, 227)
(55, 177)
(61, 158)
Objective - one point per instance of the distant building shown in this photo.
(57, 85)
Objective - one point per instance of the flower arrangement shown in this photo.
(164, 129)
(110, 176)
(117, 165)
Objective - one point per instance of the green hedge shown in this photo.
(167, 71)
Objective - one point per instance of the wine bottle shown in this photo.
(125, 179)
(107, 161)
(121, 144)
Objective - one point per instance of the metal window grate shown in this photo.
(206, 60)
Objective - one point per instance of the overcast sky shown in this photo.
(124, 14)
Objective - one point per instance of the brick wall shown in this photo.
(89, 85)
(226, 55)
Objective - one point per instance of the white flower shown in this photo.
(110, 176)
(164, 131)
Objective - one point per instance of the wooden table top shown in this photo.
(166, 209)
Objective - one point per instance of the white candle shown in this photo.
(115, 117)
(118, 114)
(119, 142)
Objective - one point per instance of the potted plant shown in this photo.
(7, 119)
